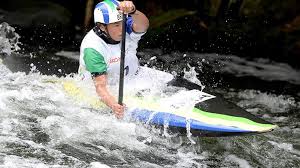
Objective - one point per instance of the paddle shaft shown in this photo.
(122, 61)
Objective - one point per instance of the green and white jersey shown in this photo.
(98, 56)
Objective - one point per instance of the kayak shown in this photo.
(211, 116)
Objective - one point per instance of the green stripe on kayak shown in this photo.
(231, 118)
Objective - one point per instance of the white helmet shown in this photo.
(106, 12)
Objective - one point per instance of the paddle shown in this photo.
(121, 79)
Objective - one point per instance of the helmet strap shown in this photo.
(104, 36)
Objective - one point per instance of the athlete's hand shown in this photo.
(126, 7)
(118, 110)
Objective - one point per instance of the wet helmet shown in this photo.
(106, 12)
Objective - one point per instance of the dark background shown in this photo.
(247, 28)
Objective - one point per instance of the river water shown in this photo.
(42, 127)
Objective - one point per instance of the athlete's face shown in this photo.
(115, 30)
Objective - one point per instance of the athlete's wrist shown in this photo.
(111, 102)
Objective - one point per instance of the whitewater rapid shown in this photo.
(40, 126)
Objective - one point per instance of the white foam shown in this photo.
(186, 159)
(7, 126)
(83, 125)
(276, 103)
(191, 75)
(262, 68)
(184, 99)
(241, 162)
(147, 78)
(98, 165)
(12, 161)
(285, 146)
(146, 164)
(8, 44)
(68, 54)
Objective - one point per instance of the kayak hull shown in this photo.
(215, 116)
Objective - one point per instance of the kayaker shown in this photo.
(100, 49)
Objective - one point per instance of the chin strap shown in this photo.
(104, 36)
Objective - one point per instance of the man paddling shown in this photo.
(100, 49)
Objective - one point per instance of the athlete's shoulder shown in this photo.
(91, 40)
(91, 37)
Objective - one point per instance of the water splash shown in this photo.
(241, 162)
(9, 39)
(191, 75)
(276, 103)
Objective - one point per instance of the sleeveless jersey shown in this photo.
(98, 56)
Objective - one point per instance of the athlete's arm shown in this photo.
(101, 89)
(95, 63)
(140, 20)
